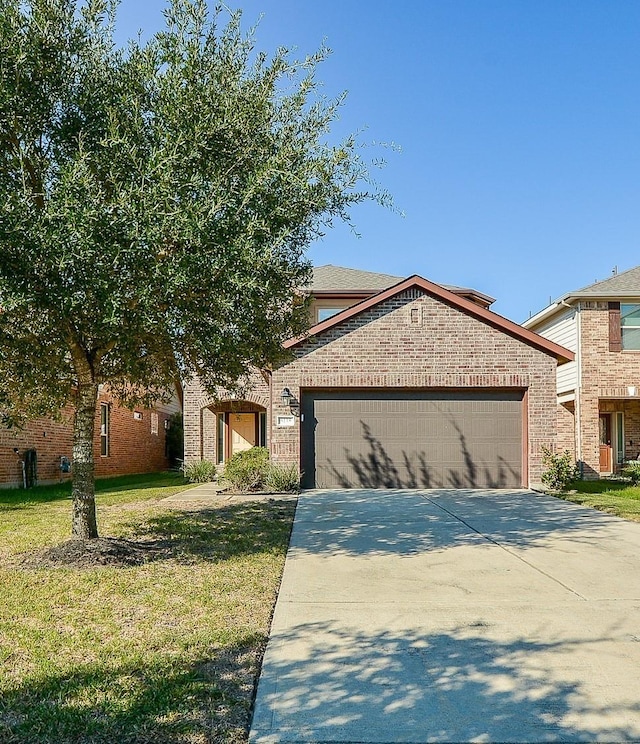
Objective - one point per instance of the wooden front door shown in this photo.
(243, 431)
(606, 450)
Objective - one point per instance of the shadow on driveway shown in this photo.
(443, 687)
(405, 522)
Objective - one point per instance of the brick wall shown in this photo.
(415, 341)
(605, 376)
(200, 434)
(566, 425)
(50, 439)
(133, 448)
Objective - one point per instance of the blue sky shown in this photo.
(519, 129)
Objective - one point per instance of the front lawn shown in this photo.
(162, 649)
(612, 496)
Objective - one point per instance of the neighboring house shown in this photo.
(598, 392)
(399, 383)
(125, 442)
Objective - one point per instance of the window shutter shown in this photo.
(615, 334)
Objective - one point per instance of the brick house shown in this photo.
(125, 442)
(399, 383)
(599, 391)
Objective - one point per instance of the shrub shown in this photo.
(283, 478)
(632, 471)
(561, 469)
(247, 470)
(200, 471)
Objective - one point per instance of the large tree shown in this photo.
(155, 206)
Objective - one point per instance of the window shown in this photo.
(104, 429)
(154, 423)
(262, 429)
(630, 326)
(220, 438)
(620, 437)
(327, 312)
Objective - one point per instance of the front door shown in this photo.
(243, 431)
(606, 450)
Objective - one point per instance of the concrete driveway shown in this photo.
(453, 616)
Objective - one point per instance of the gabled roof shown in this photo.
(451, 298)
(625, 285)
(332, 280)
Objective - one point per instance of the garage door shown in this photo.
(385, 439)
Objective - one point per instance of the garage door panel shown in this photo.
(420, 439)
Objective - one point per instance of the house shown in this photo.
(400, 382)
(125, 442)
(599, 391)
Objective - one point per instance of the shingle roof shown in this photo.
(616, 287)
(330, 277)
(625, 284)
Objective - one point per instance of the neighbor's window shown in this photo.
(104, 429)
(327, 312)
(630, 326)
(154, 423)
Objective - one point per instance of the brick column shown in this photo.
(208, 419)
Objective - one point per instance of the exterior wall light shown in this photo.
(286, 397)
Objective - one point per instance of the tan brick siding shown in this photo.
(410, 341)
(436, 345)
(605, 376)
(566, 437)
(200, 433)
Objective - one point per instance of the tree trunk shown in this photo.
(83, 492)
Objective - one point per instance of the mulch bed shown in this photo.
(102, 551)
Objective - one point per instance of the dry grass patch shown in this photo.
(163, 649)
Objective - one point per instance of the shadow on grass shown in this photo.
(457, 685)
(218, 534)
(166, 701)
(19, 498)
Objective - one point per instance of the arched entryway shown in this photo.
(232, 426)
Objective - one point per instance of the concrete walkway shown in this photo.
(453, 616)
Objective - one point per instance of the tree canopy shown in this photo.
(155, 206)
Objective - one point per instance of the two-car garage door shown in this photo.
(417, 439)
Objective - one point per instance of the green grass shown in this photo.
(167, 651)
(612, 496)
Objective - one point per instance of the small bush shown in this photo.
(283, 478)
(561, 469)
(631, 470)
(247, 470)
(201, 471)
